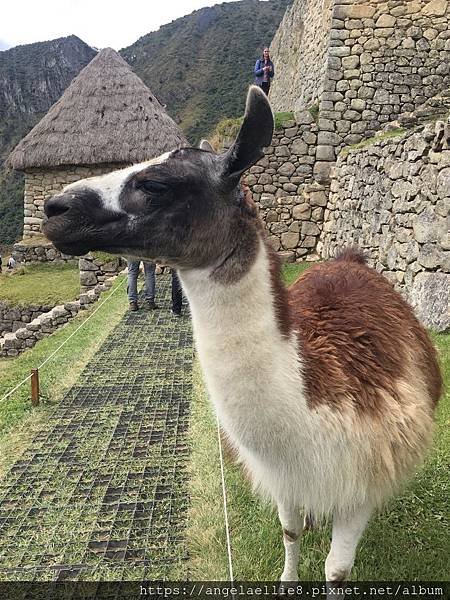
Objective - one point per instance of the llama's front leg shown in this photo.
(347, 531)
(291, 523)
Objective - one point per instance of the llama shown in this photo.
(327, 390)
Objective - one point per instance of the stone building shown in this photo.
(360, 64)
(106, 119)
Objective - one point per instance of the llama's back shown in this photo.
(368, 359)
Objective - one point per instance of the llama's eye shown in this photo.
(153, 187)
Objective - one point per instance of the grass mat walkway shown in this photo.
(101, 492)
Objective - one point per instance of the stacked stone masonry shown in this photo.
(392, 199)
(12, 344)
(95, 270)
(42, 252)
(384, 59)
(41, 184)
(14, 317)
(282, 184)
(379, 59)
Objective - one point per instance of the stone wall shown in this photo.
(12, 344)
(283, 185)
(377, 59)
(373, 60)
(384, 58)
(14, 317)
(299, 51)
(39, 252)
(41, 184)
(96, 269)
(392, 199)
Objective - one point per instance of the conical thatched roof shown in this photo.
(106, 115)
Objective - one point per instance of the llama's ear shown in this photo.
(205, 145)
(255, 133)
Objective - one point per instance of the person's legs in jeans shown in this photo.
(177, 294)
(150, 281)
(133, 272)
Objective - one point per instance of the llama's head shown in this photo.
(185, 208)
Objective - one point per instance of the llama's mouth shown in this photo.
(81, 247)
(63, 237)
(68, 239)
(72, 248)
(76, 223)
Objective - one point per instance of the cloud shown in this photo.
(4, 45)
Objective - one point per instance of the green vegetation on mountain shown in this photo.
(11, 214)
(200, 66)
(32, 78)
(14, 125)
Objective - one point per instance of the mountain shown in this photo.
(201, 65)
(32, 78)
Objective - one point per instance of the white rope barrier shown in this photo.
(225, 509)
(16, 388)
(81, 325)
(64, 342)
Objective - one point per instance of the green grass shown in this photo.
(393, 133)
(105, 257)
(292, 271)
(104, 423)
(18, 419)
(227, 129)
(206, 530)
(281, 118)
(314, 111)
(36, 284)
(408, 540)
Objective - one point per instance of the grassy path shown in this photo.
(100, 493)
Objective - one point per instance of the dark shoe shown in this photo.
(176, 313)
(150, 305)
(134, 305)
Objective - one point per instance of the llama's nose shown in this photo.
(57, 205)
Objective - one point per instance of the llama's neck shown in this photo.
(251, 368)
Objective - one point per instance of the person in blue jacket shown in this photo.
(264, 71)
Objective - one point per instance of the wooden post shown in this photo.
(34, 387)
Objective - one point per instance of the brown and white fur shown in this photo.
(327, 390)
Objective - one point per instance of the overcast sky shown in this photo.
(100, 23)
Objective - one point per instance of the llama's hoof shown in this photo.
(309, 522)
(335, 588)
(337, 575)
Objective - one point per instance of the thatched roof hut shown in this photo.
(106, 115)
(106, 119)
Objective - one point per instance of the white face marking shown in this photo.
(109, 186)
